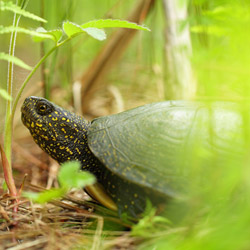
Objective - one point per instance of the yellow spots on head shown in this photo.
(125, 206)
(78, 151)
(69, 151)
(45, 137)
(63, 130)
(113, 186)
(62, 134)
(135, 195)
(132, 202)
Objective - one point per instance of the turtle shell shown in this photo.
(154, 145)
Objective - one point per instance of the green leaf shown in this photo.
(73, 29)
(39, 38)
(150, 224)
(46, 195)
(55, 34)
(10, 29)
(15, 60)
(96, 33)
(93, 28)
(5, 94)
(210, 30)
(218, 11)
(9, 6)
(109, 23)
(71, 176)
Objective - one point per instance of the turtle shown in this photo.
(141, 154)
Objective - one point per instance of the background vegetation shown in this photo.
(215, 217)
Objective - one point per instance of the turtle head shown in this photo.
(60, 133)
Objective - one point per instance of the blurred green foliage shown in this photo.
(221, 61)
(69, 177)
(215, 216)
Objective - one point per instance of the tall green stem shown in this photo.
(10, 117)
(7, 142)
(6, 154)
(9, 87)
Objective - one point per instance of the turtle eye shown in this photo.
(43, 108)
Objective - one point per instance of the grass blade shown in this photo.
(9, 6)
(15, 60)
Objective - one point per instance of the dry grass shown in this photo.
(66, 224)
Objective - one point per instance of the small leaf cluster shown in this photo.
(150, 223)
(70, 176)
(91, 28)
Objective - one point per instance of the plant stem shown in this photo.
(11, 117)
(9, 120)
(9, 87)
(7, 139)
(8, 174)
(6, 152)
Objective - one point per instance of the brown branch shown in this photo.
(92, 80)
